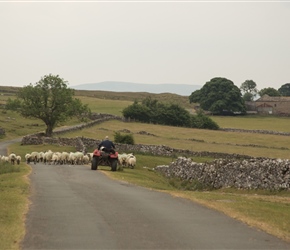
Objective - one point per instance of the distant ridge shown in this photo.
(179, 89)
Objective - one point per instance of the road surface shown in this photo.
(73, 207)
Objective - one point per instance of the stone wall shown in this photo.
(254, 173)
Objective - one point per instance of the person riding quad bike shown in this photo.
(105, 155)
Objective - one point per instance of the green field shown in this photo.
(265, 210)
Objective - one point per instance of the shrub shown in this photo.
(124, 139)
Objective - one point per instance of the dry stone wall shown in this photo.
(254, 173)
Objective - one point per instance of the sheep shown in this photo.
(90, 155)
(64, 158)
(131, 160)
(72, 158)
(27, 158)
(5, 159)
(18, 159)
(122, 159)
(79, 156)
(12, 158)
(86, 159)
(55, 158)
(47, 157)
(34, 156)
(41, 156)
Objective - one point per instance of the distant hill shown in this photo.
(179, 89)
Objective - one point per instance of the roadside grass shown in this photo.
(14, 190)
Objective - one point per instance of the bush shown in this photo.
(204, 122)
(151, 111)
(124, 139)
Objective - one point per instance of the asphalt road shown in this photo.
(73, 207)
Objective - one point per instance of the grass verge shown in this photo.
(14, 191)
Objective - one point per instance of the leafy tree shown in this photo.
(219, 95)
(269, 91)
(138, 112)
(249, 89)
(248, 97)
(284, 90)
(49, 100)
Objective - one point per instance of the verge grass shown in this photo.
(14, 191)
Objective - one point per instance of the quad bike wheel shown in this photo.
(114, 164)
(95, 163)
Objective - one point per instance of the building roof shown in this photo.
(266, 98)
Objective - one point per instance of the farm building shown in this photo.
(276, 105)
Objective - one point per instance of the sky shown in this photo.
(153, 42)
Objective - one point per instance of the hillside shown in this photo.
(183, 101)
(132, 96)
(179, 89)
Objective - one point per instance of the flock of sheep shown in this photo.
(12, 158)
(127, 160)
(62, 158)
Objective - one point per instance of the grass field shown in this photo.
(256, 145)
(265, 210)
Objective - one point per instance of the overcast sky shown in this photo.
(154, 42)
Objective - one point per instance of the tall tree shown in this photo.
(269, 91)
(284, 90)
(219, 95)
(49, 100)
(249, 90)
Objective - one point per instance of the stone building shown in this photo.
(276, 105)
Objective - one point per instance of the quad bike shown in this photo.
(103, 158)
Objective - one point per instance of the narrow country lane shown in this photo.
(73, 207)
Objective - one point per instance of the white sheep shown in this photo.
(5, 159)
(18, 159)
(131, 160)
(47, 157)
(40, 156)
(64, 158)
(72, 158)
(122, 159)
(86, 159)
(12, 158)
(90, 155)
(27, 158)
(55, 159)
(34, 156)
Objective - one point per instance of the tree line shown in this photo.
(152, 111)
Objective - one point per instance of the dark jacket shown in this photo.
(107, 144)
